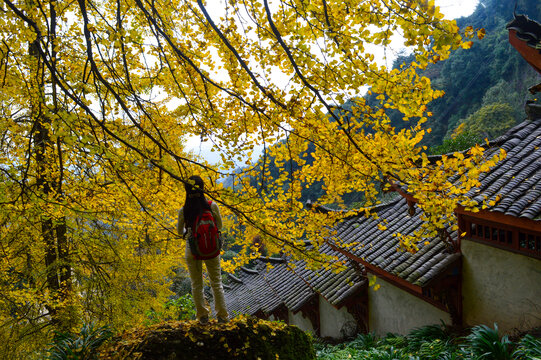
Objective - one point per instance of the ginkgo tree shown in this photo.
(99, 97)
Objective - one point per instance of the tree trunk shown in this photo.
(48, 156)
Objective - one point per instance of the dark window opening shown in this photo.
(501, 235)
(522, 240)
(507, 237)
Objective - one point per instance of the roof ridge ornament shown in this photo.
(525, 36)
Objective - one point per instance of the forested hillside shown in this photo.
(488, 83)
(485, 88)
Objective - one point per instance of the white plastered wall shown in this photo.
(393, 310)
(300, 321)
(501, 287)
(335, 323)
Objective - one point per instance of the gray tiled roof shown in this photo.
(290, 288)
(249, 293)
(517, 178)
(380, 247)
(333, 286)
(261, 290)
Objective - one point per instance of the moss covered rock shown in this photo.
(241, 338)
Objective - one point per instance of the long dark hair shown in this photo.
(195, 202)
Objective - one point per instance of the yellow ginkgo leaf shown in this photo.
(481, 33)
(467, 44)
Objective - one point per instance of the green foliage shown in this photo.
(485, 343)
(490, 121)
(434, 342)
(528, 348)
(460, 142)
(390, 353)
(427, 334)
(332, 353)
(502, 94)
(364, 341)
(82, 346)
(435, 349)
(368, 347)
(393, 341)
(181, 308)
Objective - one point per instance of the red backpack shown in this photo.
(205, 242)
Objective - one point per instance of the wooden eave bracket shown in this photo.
(409, 198)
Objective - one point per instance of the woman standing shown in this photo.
(194, 206)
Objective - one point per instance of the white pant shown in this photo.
(195, 268)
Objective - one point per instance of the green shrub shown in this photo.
(392, 340)
(485, 343)
(181, 308)
(453, 355)
(355, 349)
(435, 349)
(459, 142)
(528, 348)
(364, 341)
(434, 342)
(334, 353)
(389, 353)
(427, 334)
(82, 346)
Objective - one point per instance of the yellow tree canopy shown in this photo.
(99, 97)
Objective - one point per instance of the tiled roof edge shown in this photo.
(234, 279)
(529, 30)
(351, 291)
(249, 271)
(498, 141)
(272, 260)
(378, 207)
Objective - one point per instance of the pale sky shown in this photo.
(457, 8)
(451, 8)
